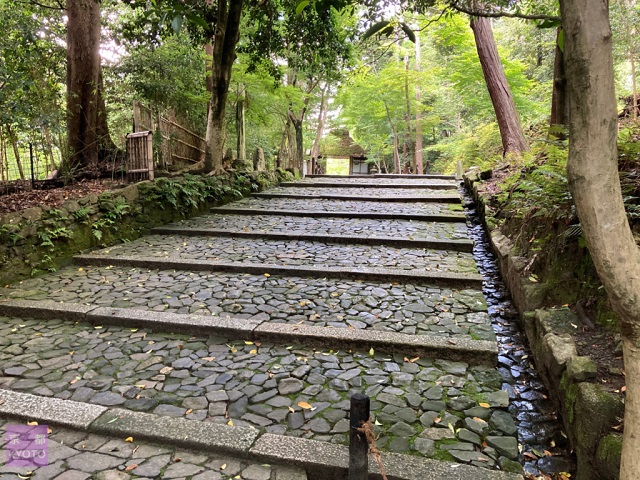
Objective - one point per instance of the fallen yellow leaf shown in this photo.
(130, 467)
(267, 275)
(223, 466)
(253, 352)
(230, 423)
(305, 405)
(32, 424)
(484, 405)
(129, 439)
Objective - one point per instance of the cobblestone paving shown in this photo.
(331, 226)
(391, 180)
(79, 456)
(343, 206)
(364, 192)
(410, 309)
(418, 404)
(295, 252)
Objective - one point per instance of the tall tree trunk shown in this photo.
(409, 140)
(282, 161)
(394, 129)
(13, 138)
(322, 118)
(83, 80)
(559, 106)
(513, 141)
(630, 4)
(241, 143)
(226, 37)
(595, 185)
(419, 164)
(297, 122)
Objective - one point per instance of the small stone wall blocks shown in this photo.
(588, 410)
(39, 239)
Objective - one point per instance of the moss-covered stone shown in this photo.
(580, 369)
(608, 457)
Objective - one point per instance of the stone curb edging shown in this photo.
(406, 186)
(475, 352)
(385, 274)
(323, 460)
(333, 460)
(426, 217)
(435, 199)
(454, 245)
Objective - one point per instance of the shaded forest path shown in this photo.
(245, 331)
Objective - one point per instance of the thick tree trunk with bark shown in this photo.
(513, 141)
(83, 85)
(559, 106)
(224, 54)
(595, 186)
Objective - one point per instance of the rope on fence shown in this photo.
(367, 430)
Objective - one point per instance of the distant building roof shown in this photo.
(345, 146)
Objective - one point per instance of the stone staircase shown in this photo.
(238, 337)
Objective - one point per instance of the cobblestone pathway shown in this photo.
(445, 407)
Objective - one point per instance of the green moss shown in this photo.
(610, 449)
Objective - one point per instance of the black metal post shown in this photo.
(358, 445)
(33, 178)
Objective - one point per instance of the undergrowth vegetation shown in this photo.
(529, 199)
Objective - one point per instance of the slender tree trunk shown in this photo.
(226, 37)
(83, 80)
(396, 155)
(409, 140)
(13, 138)
(241, 143)
(297, 122)
(322, 118)
(513, 141)
(595, 185)
(559, 106)
(419, 163)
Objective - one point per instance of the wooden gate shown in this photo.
(140, 156)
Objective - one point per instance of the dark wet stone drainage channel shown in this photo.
(539, 428)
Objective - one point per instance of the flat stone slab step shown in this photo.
(363, 178)
(445, 245)
(355, 191)
(100, 449)
(333, 227)
(410, 309)
(426, 217)
(79, 454)
(206, 385)
(455, 199)
(423, 276)
(314, 205)
(475, 352)
(442, 185)
(291, 252)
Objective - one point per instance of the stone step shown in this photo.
(330, 206)
(474, 352)
(292, 253)
(206, 383)
(444, 185)
(288, 236)
(98, 446)
(385, 274)
(371, 305)
(81, 452)
(361, 178)
(445, 218)
(357, 193)
(455, 199)
(375, 228)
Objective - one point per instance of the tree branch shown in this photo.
(42, 5)
(483, 13)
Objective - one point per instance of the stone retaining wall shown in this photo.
(42, 238)
(588, 411)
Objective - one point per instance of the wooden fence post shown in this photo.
(358, 445)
